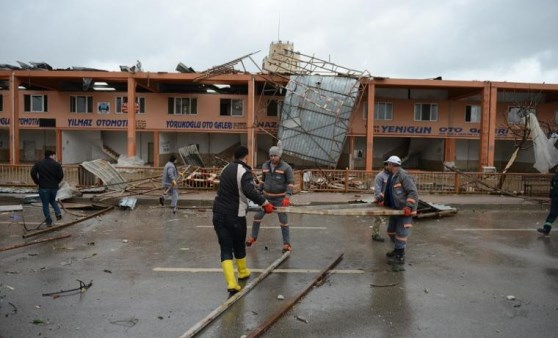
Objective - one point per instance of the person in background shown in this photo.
(553, 213)
(277, 185)
(400, 193)
(48, 173)
(379, 184)
(236, 186)
(170, 175)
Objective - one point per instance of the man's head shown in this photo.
(393, 163)
(172, 158)
(49, 153)
(274, 154)
(240, 153)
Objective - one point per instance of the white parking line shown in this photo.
(275, 227)
(484, 229)
(160, 269)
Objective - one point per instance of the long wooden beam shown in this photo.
(290, 303)
(34, 242)
(370, 211)
(215, 313)
(58, 227)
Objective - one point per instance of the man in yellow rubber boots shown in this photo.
(236, 186)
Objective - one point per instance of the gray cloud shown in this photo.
(461, 39)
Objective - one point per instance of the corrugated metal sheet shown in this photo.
(315, 117)
(107, 173)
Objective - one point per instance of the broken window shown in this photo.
(120, 100)
(35, 103)
(274, 107)
(472, 113)
(231, 107)
(516, 114)
(182, 106)
(81, 104)
(426, 112)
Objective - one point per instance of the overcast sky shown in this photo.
(499, 40)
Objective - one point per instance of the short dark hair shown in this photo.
(240, 152)
(49, 153)
(172, 158)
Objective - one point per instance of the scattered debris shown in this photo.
(383, 285)
(280, 297)
(107, 271)
(510, 297)
(82, 288)
(126, 322)
(38, 322)
(302, 319)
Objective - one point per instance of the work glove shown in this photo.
(174, 183)
(268, 208)
(286, 202)
(407, 211)
(379, 201)
(181, 174)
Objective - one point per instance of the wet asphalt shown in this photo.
(481, 273)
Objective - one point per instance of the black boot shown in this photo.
(545, 230)
(398, 261)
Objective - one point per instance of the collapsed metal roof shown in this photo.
(107, 173)
(315, 117)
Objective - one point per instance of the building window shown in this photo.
(35, 103)
(426, 112)
(120, 100)
(81, 104)
(516, 114)
(472, 113)
(1, 102)
(383, 111)
(274, 107)
(556, 116)
(183, 106)
(231, 107)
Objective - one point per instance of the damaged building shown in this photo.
(326, 115)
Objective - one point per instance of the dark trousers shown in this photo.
(48, 196)
(553, 211)
(231, 233)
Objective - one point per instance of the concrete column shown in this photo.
(449, 151)
(156, 148)
(131, 116)
(488, 126)
(369, 157)
(14, 119)
(250, 120)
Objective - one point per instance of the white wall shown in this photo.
(116, 140)
(142, 142)
(80, 146)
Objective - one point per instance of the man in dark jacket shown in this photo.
(48, 174)
(553, 213)
(236, 186)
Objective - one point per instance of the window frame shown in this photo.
(385, 104)
(278, 104)
(420, 113)
(29, 106)
(119, 100)
(74, 104)
(230, 107)
(192, 103)
(472, 111)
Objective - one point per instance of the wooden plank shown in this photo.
(34, 242)
(371, 211)
(291, 302)
(215, 313)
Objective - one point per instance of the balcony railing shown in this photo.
(346, 181)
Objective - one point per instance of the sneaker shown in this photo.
(162, 201)
(377, 238)
(174, 210)
(58, 217)
(250, 241)
(48, 222)
(544, 231)
(286, 247)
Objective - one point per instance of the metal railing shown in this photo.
(345, 181)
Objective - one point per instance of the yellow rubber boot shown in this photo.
(243, 271)
(228, 271)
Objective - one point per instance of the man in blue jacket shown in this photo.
(553, 213)
(48, 174)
